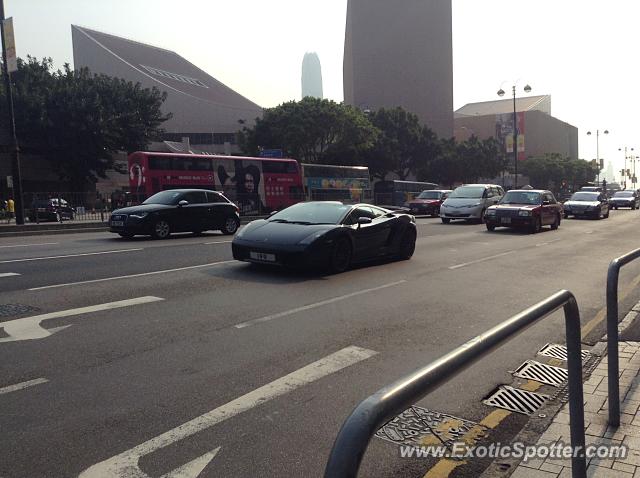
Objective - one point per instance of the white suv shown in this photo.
(470, 201)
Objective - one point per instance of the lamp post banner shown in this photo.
(504, 133)
(10, 45)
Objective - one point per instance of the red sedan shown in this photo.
(525, 208)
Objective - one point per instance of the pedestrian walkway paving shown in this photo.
(597, 432)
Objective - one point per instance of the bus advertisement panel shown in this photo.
(339, 183)
(256, 185)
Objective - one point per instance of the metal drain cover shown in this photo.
(559, 351)
(420, 426)
(10, 310)
(516, 400)
(541, 372)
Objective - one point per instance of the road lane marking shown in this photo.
(126, 463)
(464, 264)
(71, 255)
(547, 243)
(9, 274)
(313, 306)
(142, 274)
(23, 385)
(29, 245)
(217, 242)
(29, 328)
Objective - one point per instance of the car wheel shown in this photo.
(566, 216)
(536, 226)
(126, 235)
(340, 255)
(161, 229)
(556, 223)
(633, 206)
(407, 245)
(58, 217)
(231, 225)
(491, 227)
(445, 220)
(481, 220)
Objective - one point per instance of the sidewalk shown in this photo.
(596, 415)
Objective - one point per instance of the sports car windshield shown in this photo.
(519, 197)
(311, 213)
(584, 196)
(429, 195)
(468, 192)
(168, 198)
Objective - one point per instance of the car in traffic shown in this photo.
(529, 209)
(592, 189)
(593, 204)
(326, 234)
(428, 202)
(177, 210)
(628, 198)
(52, 209)
(470, 202)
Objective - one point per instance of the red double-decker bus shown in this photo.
(256, 185)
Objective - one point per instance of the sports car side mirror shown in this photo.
(364, 220)
(183, 203)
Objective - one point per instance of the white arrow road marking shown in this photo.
(126, 463)
(22, 385)
(193, 468)
(29, 328)
(9, 274)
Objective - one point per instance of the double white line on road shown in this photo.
(118, 251)
(126, 463)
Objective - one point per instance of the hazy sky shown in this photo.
(581, 52)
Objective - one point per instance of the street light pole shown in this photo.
(527, 89)
(624, 171)
(606, 131)
(15, 150)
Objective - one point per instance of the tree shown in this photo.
(77, 120)
(311, 130)
(551, 170)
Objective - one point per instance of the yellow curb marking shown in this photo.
(495, 418)
(531, 386)
(555, 362)
(443, 468)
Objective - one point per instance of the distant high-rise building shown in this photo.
(311, 76)
(400, 54)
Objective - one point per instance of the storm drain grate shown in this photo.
(543, 373)
(516, 400)
(559, 352)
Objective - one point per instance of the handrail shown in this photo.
(375, 411)
(613, 273)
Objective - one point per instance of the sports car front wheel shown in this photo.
(407, 246)
(340, 256)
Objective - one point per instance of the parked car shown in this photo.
(470, 202)
(530, 209)
(326, 234)
(625, 199)
(592, 189)
(587, 204)
(177, 210)
(428, 202)
(53, 209)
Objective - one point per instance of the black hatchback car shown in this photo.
(177, 210)
(53, 209)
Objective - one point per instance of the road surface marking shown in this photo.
(546, 243)
(602, 313)
(126, 463)
(217, 242)
(29, 328)
(444, 468)
(313, 306)
(9, 274)
(70, 255)
(23, 385)
(93, 281)
(29, 245)
(464, 264)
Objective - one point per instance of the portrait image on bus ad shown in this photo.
(242, 182)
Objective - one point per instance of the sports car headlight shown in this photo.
(491, 212)
(139, 215)
(524, 212)
(310, 238)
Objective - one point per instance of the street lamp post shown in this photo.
(606, 131)
(527, 89)
(625, 174)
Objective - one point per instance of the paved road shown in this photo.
(157, 354)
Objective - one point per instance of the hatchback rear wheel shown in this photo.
(161, 229)
(230, 226)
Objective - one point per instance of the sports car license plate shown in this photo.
(117, 223)
(261, 256)
(505, 220)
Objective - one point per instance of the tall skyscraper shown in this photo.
(400, 54)
(311, 76)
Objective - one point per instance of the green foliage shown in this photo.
(78, 120)
(311, 130)
(550, 170)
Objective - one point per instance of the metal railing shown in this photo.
(613, 273)
(375, 411)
